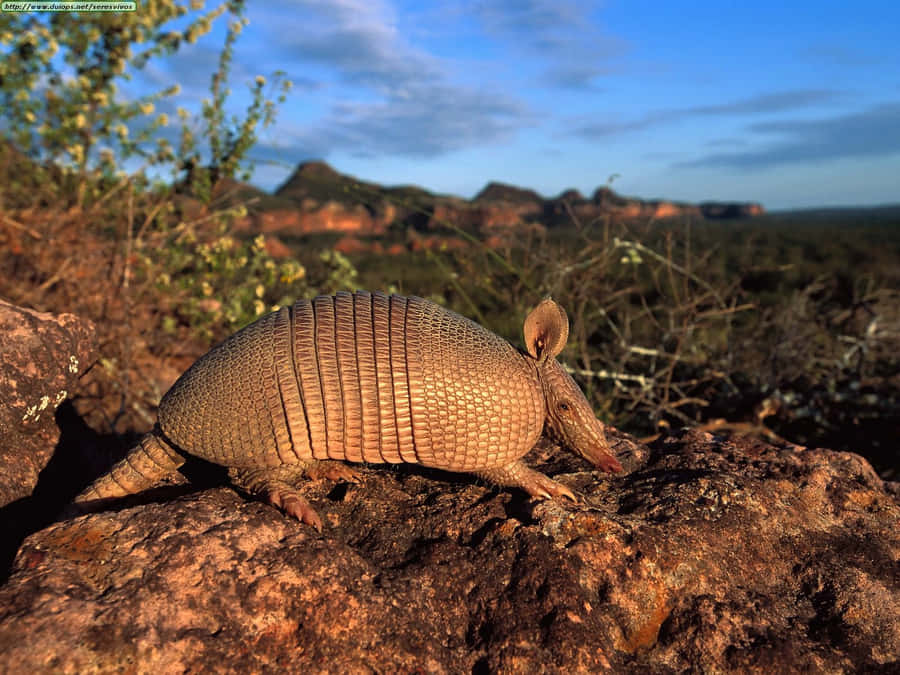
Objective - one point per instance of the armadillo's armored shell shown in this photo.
(363, 377)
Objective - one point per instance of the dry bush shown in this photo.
(666, 333)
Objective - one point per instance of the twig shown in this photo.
(604, 374)
(19, 226)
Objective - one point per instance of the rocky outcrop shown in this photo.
(316, 198)
(41, 357)
(730, 210)
(509, 194)
(704, 555)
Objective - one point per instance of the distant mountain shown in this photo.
(317, 198)
(501, 192)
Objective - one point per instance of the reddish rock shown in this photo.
(705, 555)
(41, 357)
(277, 248)
(316, 198)
(278, 220)
(350, 244)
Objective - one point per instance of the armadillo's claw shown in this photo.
(332, 470)
(275, 485)
(533, 482)
(293, 504)
(550, 489)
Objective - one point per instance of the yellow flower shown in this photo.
(122, 130)
(260, 80)
(163, 120)
(147, 108)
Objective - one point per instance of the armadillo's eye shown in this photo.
(563, 406)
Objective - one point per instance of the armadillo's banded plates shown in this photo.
(330, 376)
(384, 377)
(400, 377)
(363, 377)
(345, 339)
(306, 363)
(289, 388)
(370, 415)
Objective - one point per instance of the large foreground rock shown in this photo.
(705, 555)
(41, 357)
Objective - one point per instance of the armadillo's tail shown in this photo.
(143, 467)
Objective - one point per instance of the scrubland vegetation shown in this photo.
(782, 327)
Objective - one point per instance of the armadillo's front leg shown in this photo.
(517, 474)
(276, 485)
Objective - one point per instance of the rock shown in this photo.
(731, 210)
(316, 198)
(277, 248)
(41, 357)
(501, 192)
(705, 555)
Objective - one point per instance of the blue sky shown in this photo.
(791, 104)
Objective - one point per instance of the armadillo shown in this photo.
(367, 377)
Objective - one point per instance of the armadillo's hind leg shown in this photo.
(143, 467)
(517, 474)
(276, 485)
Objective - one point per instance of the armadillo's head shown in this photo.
(569, 416)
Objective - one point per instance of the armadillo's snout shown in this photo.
(576, 427)
(604, 460)
(572, 420)
(589, 440)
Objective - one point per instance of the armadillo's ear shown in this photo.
(546, 330)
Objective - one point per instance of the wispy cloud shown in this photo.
(725, 142)
(874, 132)
(561, 34)
(839, 55)
(753, 105)
(358, 39)
(429, 122)
(390, 97)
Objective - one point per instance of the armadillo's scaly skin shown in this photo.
(360, 377)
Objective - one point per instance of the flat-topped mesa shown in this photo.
(366, 377)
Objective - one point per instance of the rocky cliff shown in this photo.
(316, 198)
(704, 555)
